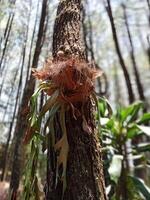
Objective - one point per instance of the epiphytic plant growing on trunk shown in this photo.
(64, 94)
(74, 159)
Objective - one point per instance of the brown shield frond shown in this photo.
(73, 77)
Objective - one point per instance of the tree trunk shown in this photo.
(31, 44)
(117, 88)
(6, 38)
(5, 155)
(148, 4)
(132, 55)
(85, 180)
(21, 125)
(118, 50)
(89, 50)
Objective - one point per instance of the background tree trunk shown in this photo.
(5, 155)
(6, 38)
(118, 50)
(21, 124)
(132, 55)
(102, 82)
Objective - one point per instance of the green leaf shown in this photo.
(130, 113)
(141, 187)
(38, 135)
(132, 132)
(125, 112)
(110, 123)
(104, 120)
(51, 115)
(31, 169)
(143, 147)
(114, 171)
(137, 157)
(114, 126)
(145, 118)
(110, 110)
(50, 102)
(33, 104)
(104, 107)
(144, 129)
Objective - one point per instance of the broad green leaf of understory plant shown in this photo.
(114, 126)
(143, 147)
(104, 120)
(144, 129)
(115, 167)
(141, 187)
(129, 113)
(104, 107)
(136, 130)
(144, 119)
(132, 132)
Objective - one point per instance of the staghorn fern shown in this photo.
(67, 83)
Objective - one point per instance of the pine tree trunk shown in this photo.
(118, 51)
(5, 155)
(22, 123)
(132, 55)
(85, 180)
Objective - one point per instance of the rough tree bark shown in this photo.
(21, 124)
(85, 178)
